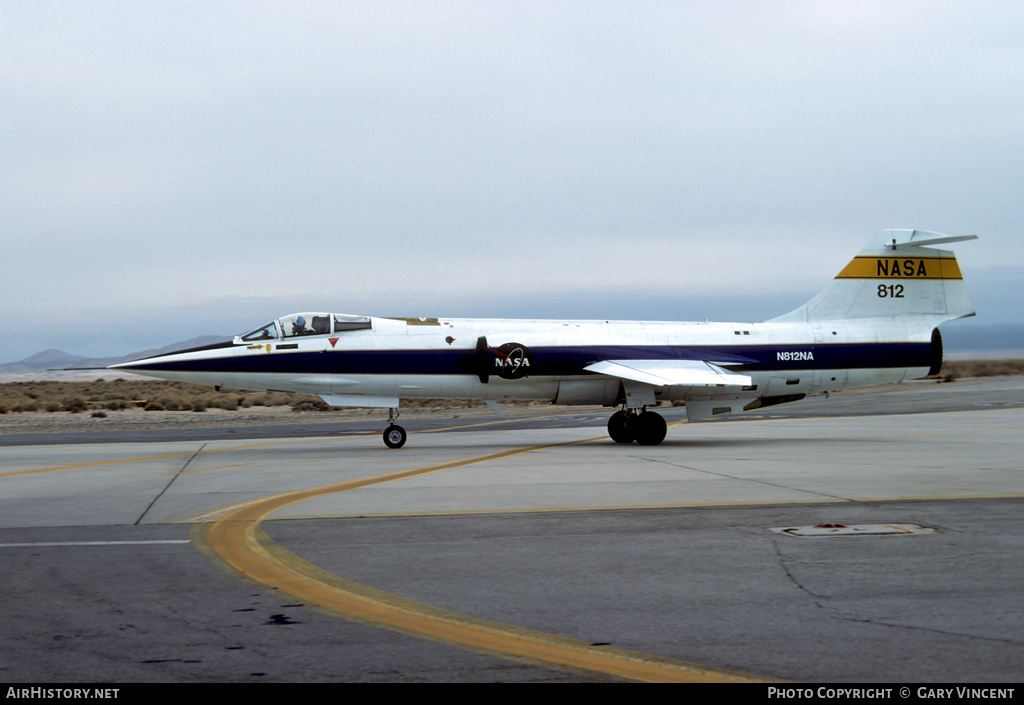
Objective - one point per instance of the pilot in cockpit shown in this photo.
(299, 326)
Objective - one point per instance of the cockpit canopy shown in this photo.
(299, 324)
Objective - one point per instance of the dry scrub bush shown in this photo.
(74, 405)
(119, 394)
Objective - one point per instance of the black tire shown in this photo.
(394, 436)
(650, 428)
(620, 427)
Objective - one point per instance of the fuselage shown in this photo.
(364, 361)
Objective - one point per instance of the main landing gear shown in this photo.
(394, 435)
(645, 427)
(626, 426)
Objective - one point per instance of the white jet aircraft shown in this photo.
(876, 322)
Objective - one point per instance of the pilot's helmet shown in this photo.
(300, 322)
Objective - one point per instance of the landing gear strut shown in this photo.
(645, 427)
(394, 435)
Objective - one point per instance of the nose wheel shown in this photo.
(394, 435)
(645, 427)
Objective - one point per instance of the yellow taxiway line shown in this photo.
(238, 540)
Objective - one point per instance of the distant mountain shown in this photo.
(53, 360)
(174, 347)
(49, 358)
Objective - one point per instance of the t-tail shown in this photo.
(899, 276)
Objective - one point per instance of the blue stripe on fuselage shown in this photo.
(562, 361)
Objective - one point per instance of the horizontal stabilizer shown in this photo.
(920, 238)
(661, 373)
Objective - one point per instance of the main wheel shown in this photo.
(394, 436)
(650, 428)
(620, 427)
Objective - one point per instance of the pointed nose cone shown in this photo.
(148, 366)
(131, 364)
(178, 360)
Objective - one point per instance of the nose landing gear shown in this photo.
(394, 435)
(647, 428)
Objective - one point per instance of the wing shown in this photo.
(641, 376)
(661, 373)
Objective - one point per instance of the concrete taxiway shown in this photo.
(532, 550)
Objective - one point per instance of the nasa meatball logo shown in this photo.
(512, 361)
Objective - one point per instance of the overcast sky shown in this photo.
(171, 169)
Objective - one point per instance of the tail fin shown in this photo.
(896, 277)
